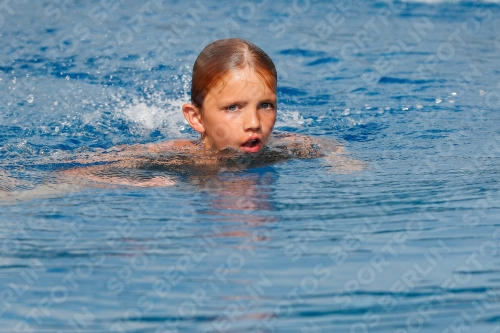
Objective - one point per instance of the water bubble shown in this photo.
(482, 92)
(30, 98)
(438, 100)
(67, 77)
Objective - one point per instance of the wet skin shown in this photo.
(238, 112)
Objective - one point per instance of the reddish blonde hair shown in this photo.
(223, 56)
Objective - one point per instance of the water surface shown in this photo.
(409, 244)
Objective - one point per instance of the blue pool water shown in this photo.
(410, 244)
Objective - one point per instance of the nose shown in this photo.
(251, 121)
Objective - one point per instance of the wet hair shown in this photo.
(223, 56)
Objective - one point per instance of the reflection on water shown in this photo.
(237, 197)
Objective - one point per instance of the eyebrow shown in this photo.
(231, 102)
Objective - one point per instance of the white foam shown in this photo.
(292, 119)
(151, 113)
(165, 115)
(146, 115)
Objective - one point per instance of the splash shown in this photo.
(160, 114)
(290, 119)
(155, 111)
(143, 113)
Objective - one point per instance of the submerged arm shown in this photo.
(333, 154)
(105, 175)
(118, 161)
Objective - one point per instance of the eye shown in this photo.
(266, 105)
(232, 108)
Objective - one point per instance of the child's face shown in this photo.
(238, 112)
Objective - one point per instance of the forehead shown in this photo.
(242, 79)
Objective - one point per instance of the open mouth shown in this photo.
(252, 145)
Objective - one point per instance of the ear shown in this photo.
(193, 117)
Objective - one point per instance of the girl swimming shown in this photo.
(233, 106)
(233, 96)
